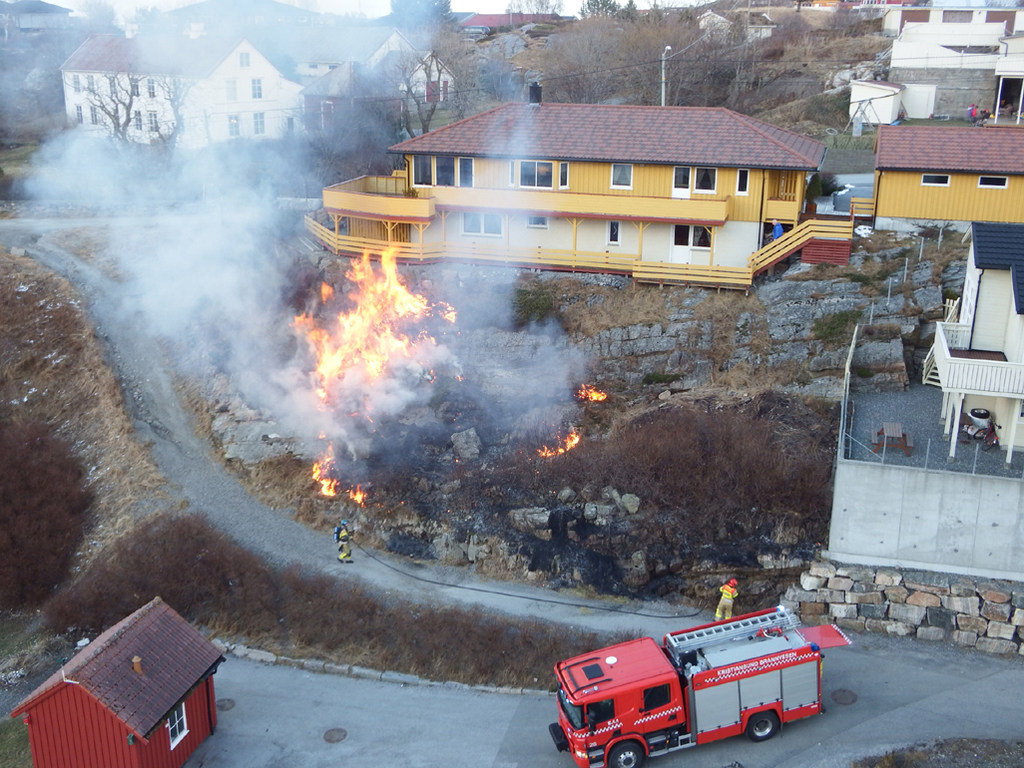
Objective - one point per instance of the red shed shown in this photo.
(139, 696)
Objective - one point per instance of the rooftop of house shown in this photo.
(997, 150)
(334, 45)
(174, 657)
(710, 136)
(151, 55)
(243, 10)
(35, 6)
(1001, 246)
(495, 20)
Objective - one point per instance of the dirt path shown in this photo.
(200, 481)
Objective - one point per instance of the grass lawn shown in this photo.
(14, 750)
(15, 157)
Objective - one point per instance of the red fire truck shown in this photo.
(747, 675)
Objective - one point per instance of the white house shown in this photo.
(188, 92)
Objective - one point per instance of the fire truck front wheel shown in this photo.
(762, 726)
(626, 754)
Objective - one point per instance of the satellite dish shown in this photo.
(611, 660)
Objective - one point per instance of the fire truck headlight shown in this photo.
(581, 754)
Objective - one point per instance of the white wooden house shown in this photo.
(190, 92)
(978, 360)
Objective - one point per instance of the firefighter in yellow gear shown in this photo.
(342, 536)
(729, 593)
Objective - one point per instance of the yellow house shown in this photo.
(978, 360)
(681, 194)
(926, 175)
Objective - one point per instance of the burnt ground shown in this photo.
(954, 753)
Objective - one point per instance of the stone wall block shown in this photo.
(842, 611)
(856, 572)
(926, 599)
(1018, 617)
(870, 611)
(823, 569)
(939, 582)
(897, 594)
(965, 605)
(864, 587)
(888, 578)
(803, 595)
(908, 614)
(965, 638)
(868, 598)
(996, 611)
(899, 629)
(1001, 630)
(963, 587)
(974, 624)
(809, 582)
(832, 595)
(995, 645)
(1017, 601)
(992, 592)
(875, 625)
(934, 634)
(812, 609)
(853, 625)
(840, 583)
(941, 617)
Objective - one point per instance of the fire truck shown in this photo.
(750, 674)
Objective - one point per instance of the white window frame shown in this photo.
(151, 87)
(90, 83)
(94, 116)
(614, 228)
(455, 171)
(696, 177)
(536, 164)
(563, 175)
(537, 222)
(630, 171)
(154, 124)
(259, 123)
(79, 114)
(743, 173)
(231, 90)
(234, 126)
(682, 193)
(137, 119)
(1004, 179)
(257, 88)
(482, 221)
(511, 173)
(243, 58)
(417, 161)
(935, 176)
(461, 165)
(177, 725)
(76, 83)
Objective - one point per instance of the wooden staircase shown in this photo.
(821, 240)
(930, 372)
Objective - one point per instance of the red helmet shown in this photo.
(733, 582)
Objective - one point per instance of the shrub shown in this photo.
(836, 327)
(814, 188)
(829, 184)
(659, 378)
(532, 304)
(43, 501)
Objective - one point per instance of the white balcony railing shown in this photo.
(973, 377)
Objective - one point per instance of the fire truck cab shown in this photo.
(750, 674)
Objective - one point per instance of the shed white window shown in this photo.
(177, 726)
(622, 176)
(934, 179)
(537, 222)
(993, 182)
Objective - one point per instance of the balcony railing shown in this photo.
(379, 197)
(972, 376)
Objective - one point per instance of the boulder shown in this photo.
(467, 444)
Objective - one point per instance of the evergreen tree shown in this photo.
(599, 8)
(419, 14)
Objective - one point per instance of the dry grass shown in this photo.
(588, 310)
(724, 311)
(52, 370)
(91, 245)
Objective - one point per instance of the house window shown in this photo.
(90, 83)
(233, 128)
(290, 125)
(422, 171)
(94, 116)
(705, 180)
(465, 171)
(243, 59)
(151, 88)
(934, 179)
(177, 727)
(154, 125)
(76, 83)
(742, 181)
(537, 222)
(135, 87)
(258, 126)
(257, 88)
(622, 176)
(78, 114)
(511, 173)
(444, 170)
(231, 90)
(681, 181)
(613, 233)
(112, 84)
(993, 182)
(692, 236)
(137, 120)
(481, 224)
(957, 17)
(535, 174)
(563, 175)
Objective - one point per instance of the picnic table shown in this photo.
(892, 433)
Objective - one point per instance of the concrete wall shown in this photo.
(937, 521)
(955, 90)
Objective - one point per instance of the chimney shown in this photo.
(535, 93)
(137, 665)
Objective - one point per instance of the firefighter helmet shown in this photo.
(732, 582)
(344, 523)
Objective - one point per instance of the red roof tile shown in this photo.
(612, 133)
(151, 55)
(932, 148)
(175, 656)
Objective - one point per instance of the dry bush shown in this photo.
(52, 370)
(211, 580)
(43, 504)
(588, 310)
(723, 312)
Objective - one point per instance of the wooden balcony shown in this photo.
(379, 197)
(973, 372)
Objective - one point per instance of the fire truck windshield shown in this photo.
(572, 712)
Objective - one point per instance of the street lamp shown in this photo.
(664, 55)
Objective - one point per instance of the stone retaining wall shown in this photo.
(987, 615)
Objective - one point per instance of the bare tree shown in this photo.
(423, 80)
(114, 97)
(535, 6)
(174, 91)
(580, 64)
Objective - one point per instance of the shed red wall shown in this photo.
(70, 729)
(199, 707)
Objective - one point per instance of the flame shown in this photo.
(321, 471)
(326, 292)
(587, 392)
(358, 495)
(570, 442)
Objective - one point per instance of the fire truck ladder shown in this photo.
(681, 642)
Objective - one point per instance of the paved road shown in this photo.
(907, 691)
